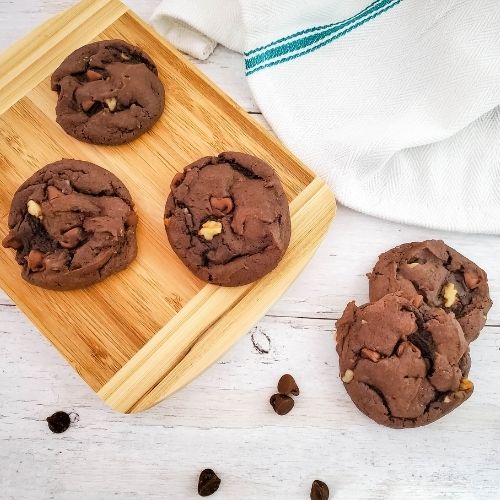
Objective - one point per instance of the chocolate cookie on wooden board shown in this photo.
(400, 366)
(72, 224)
(227, 218)
(432, 274)
(109, 93)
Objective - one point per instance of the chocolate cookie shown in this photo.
(227, 218)
(400, 366)
(109, 93)
(432, 274)
(72, 224)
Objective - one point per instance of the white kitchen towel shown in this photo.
(393, 102)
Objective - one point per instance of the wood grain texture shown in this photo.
(222, 419)
(99, 329)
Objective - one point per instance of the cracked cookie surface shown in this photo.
(432, 274)
(401, 367)
(109, 93)
(227, 218)
(72, 224)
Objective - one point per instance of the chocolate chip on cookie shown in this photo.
(72, 224)
(227, 218)
(109, 93)
(401, 366)
(431, 274)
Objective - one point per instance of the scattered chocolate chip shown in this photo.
(319, 490)
(59, 422)
(281, 404)
(261, 342)
(208, 483)
(287, 385)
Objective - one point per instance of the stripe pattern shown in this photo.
(309, 40)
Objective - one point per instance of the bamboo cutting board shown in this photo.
(144, 333)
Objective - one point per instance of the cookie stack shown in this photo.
(404, 357)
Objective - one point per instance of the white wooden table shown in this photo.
(223, 419)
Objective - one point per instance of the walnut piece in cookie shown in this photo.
(432, 274)
(109, 93)
(227, 218)
(420, 369)
(72, 224)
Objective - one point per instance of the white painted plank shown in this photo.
(223, 420)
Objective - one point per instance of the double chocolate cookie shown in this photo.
(432, 274)
(72, 224)
(109, 93)
(403, 367)
(227, 218)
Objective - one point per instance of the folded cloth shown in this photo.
(393, 102)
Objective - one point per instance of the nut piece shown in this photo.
(371, 355)
(450, 294)
(447, 399)
(413, 264)
(34, 209)
(465, 385)
(111, 103)
(348, 376)
(224, 205)
(210, 229)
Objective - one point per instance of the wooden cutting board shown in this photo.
(144, 333)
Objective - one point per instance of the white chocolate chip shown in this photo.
(413, 264)
(125, 57)
(364, 322)
(447, 399)
(111, 103)
(450, 294)
(210, 229)
(348, 376)
(34, 209)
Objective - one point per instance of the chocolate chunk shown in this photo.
(281, 403)
(227, 218)
(319, 490)
(59, 422)
(287, 385)
(419, 372)
(86, 233)
(109, 93)
(432, 274)
(208, 483)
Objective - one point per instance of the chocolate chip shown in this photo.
(319, 490)
(59, 422)
(287, 385)
(93, 76)
(281, 404)
(224, 205)
(208, 483)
